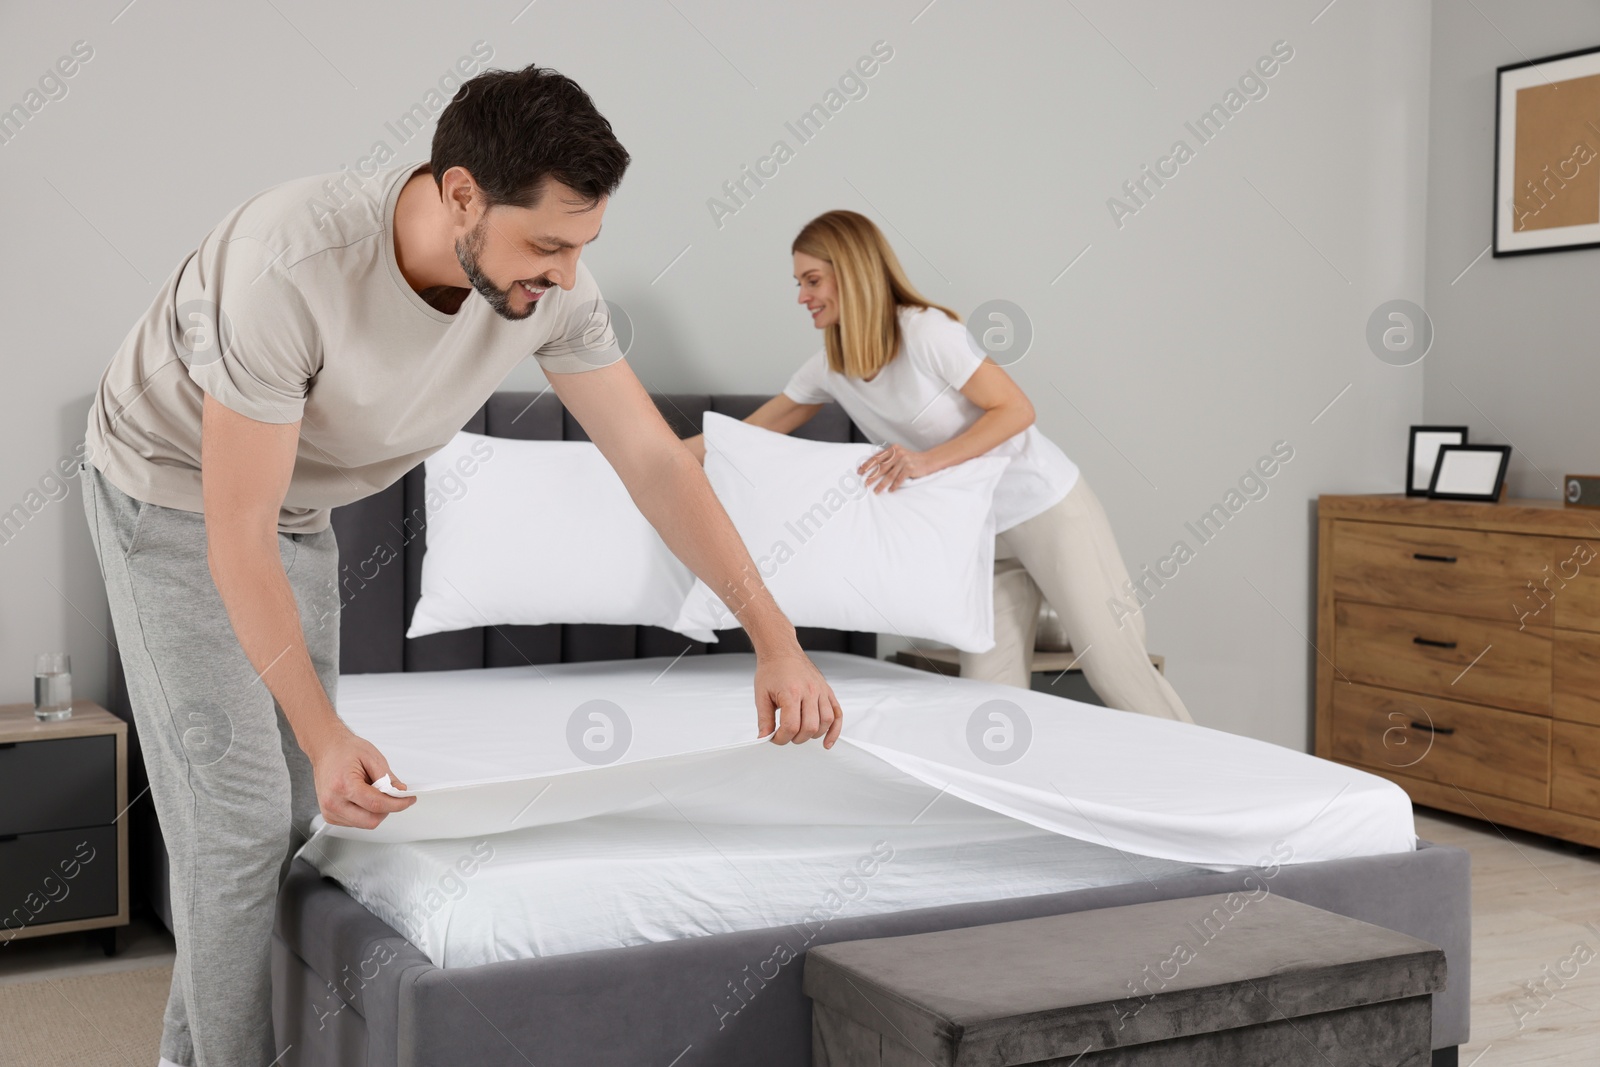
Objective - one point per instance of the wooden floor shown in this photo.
(1531, 899)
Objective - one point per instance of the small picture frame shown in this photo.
(1423, 454)
(1470, 472)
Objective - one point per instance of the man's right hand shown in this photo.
(794, 702)
(345, 766)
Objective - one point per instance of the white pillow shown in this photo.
(918, 561)
(530, 532)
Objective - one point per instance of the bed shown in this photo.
(669, 931)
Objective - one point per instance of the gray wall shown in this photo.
(1511, 360)
(1224, 316)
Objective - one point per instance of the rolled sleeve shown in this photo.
(250, 342)
(585, 336)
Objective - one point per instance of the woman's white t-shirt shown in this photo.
(915, 401)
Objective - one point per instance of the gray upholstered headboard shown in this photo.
(378, 597)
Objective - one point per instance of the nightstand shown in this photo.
(63, 837)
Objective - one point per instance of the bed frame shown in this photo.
(348, 989)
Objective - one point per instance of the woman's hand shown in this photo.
(890, 468)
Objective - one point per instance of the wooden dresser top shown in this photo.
(1550, 518)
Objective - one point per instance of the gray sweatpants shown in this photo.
(232, 790)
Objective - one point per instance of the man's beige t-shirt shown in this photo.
(294, 307)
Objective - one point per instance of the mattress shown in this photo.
(577, 806)
(612, 881)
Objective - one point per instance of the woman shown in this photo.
(905, 370)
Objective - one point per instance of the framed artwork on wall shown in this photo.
(1547, 154)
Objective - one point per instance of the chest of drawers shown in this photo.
(1458, 654)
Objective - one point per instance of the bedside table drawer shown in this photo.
(1462, 572)
(57, 784)
(1503, 753)
(1443, 655)
(57, 877)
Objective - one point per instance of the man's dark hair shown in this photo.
(512, 129)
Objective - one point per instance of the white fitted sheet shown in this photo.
(611, 881)
(698, 827)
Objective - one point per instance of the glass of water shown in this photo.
(52, 686)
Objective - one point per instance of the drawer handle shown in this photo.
(7, 837)
(1432, 558)
(1432, 729)
(1432, 644)
(8, 744)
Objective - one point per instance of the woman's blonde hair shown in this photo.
(872, 289)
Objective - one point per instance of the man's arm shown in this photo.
(670, 489)
(245, 471)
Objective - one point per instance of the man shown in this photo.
(319, 343)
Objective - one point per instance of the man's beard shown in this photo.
(467, 249)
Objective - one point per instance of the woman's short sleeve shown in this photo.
(941, 346)
(809, 385)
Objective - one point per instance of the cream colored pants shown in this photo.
(1069, 555)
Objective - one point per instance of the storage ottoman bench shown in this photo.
(1239, 980)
